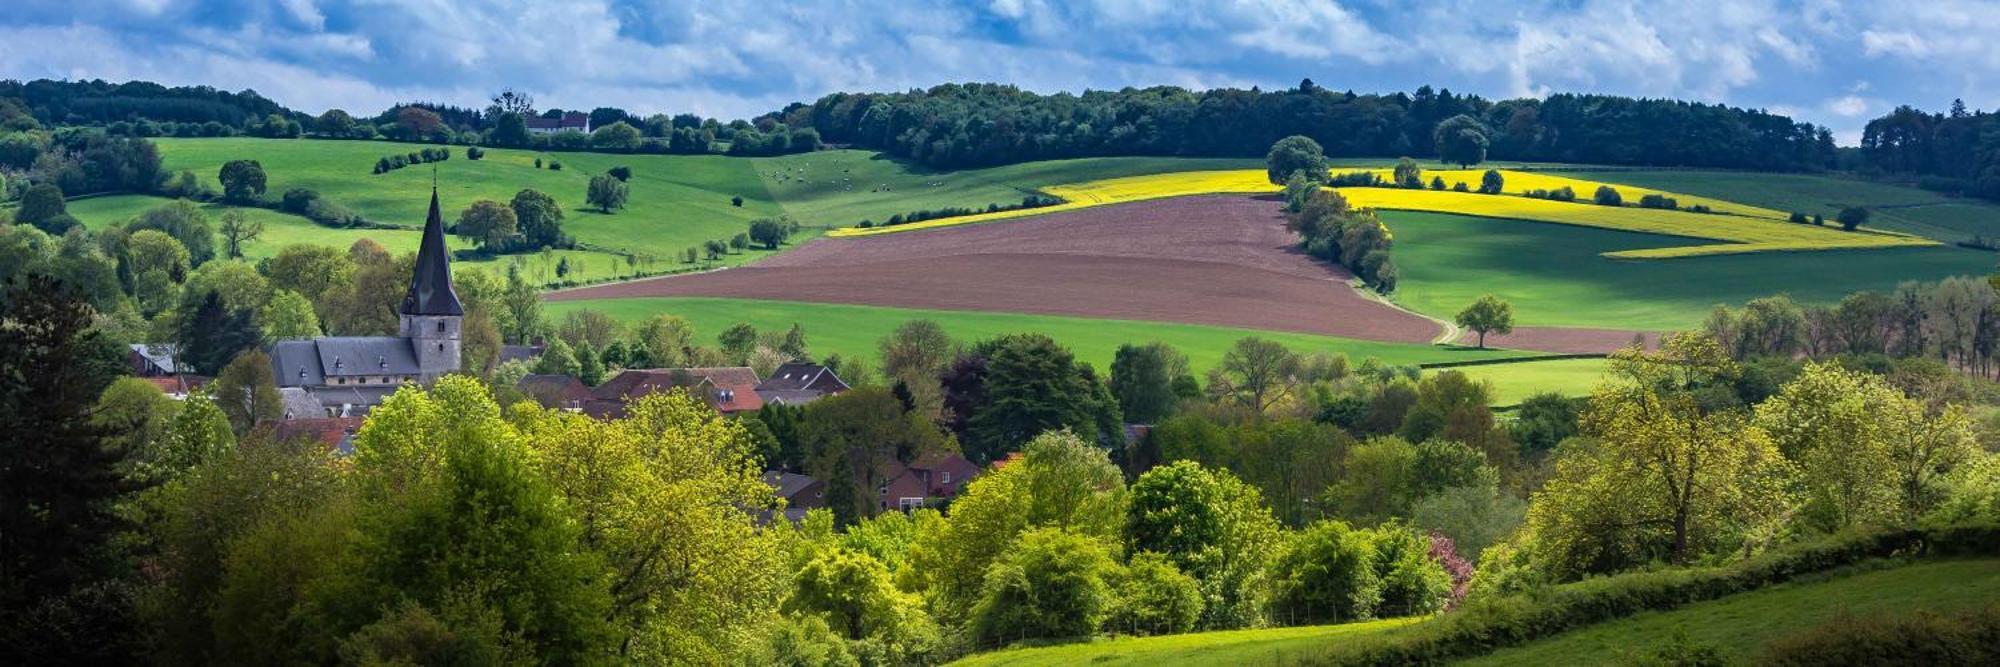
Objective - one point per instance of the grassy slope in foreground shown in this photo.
(1739, 624)
(856, 331)
(1555, 275)
(1226, 648)
(1893, 207)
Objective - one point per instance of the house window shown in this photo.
(883, 491)
(440, 326)
(907, 504)
(341, 381)
(944, 477)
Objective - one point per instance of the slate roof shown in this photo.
(519, 352)
(430, 287)
(555, 391)
(787, 484)
(798, 376)
(789, 397)
(309, 362)
(161, 356)
(300, 404)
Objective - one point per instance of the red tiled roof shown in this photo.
(327, 430)
(728, 389)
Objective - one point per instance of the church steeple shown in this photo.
(430, 287)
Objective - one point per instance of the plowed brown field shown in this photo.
(1218, 260)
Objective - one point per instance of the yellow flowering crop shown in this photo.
(1740, 228)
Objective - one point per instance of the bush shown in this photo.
(298, 200)
(1357, 179)
(1492, 182)
(1798, 218)
(1488, 623)
(1325, 575)
(1658, 201)
(1437, 182)
(1152, 597)
(1924, 638)
(1700, 208)
(1460, 187)
(474, 153)
(555, 165)
(1608, 196)
(1050, 585)
(621, 172)
(1852, 217)
(736, 201)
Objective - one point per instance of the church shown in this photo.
(345, 376)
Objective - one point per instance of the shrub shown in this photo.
(1819, 220)
(538, 163)
(1437, 182)
(1701, 208)
(1460, 187)
(1051, 584)
(1410, 582)
(1324, 575)
(1656, 200)
(1608, 196)
(1357, 179)
(736, 201)
(1923, 638)
(555, 165)
(474, 153)
(1852, 217)
(1491, 183)
(621, 172)
(1152, 597)
(1798, 218)
(298, 200)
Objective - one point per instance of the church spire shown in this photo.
(430, 287)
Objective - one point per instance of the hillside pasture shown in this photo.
(1560, 275)
(1215, 260)
(1516, 381)
(1741, 229)
(282, 229)
(1892, 207)
(1272, 646)
(856, 331)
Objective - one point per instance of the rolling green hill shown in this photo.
(1894, 208)
(1553, 274)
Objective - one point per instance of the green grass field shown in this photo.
(1553, 276)
(676, 201)
(1222, 649)
(1739, 624)
(1515, 382)
(843, 187)
(856, 331)
(1895, 208)
(281, 229)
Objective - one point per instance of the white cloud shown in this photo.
(1850, 106)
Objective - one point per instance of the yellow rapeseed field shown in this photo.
(1740, 228)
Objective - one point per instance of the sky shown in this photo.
(1824, 61)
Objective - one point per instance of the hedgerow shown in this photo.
(1485, 625)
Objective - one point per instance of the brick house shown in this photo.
(729, 389)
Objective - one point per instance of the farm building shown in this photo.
(572, 120)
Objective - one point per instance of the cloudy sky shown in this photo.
(1825, 61)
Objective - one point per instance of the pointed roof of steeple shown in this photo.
(430, 288)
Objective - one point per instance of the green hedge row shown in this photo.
(1483, 626)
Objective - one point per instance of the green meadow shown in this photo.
(1553, 274)
(1221, 649)
(1515, 382)
(856, 331)
(1892, 207)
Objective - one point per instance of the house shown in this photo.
(522, 353)
(556, 392)
(347, 375)
(934, 476)
(798, 383)
(728, 389)
(177, 386)
(151, 360)
(571, 120)
(801, 494)
(336, 433)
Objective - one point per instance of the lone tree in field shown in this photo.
(1296, 153)
(1492, 182)
(238, 229)
(1487, 315)
(242, 180)
(1461, 140)
(1852, 217)
(607, 192)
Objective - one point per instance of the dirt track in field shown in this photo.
(1562, 340)
(1218, 260)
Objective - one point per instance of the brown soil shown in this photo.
(1218, 260)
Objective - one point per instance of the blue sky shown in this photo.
(1829, 62)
